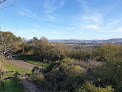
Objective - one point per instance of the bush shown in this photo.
(89, 87)
(51, 67)
(68, 61)
(55, 79)
(39, 79)
(110, 74)
(35, 69)
(72, 69)
(73, 82)
(108, 52)
(57, 74)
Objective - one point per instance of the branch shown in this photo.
(2, 1)
(8, 6)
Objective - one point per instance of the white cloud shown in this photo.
(27, 13)
(119, 30)
(48, 18)
(92, 27)
(94, 18)
(30, 14)
(113, 23)
(51, 18)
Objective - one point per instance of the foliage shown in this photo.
(55, 78)
(51, 66)
(68, 68)
(79, 54)
(110, 74)
(39, 79)
(108, 52)
(57, 73)
(71, 69)
(89, 87)
(67, 60)
(42, 50)
(29, 59)
(73, 82)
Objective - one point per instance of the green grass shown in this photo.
(32, 61)
(13, 84)
(14, 68)
(8, 75)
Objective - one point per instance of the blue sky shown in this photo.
(63, 19)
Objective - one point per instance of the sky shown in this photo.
(63, 19)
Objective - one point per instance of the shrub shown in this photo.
(51, 67)
(89, 87)
(110, 74)
(39, 79)
(35, 69)
(67, 60)
(72, 69)
(119, 87)
(58, 73)
(108, 52)
(55, 79)
(73, 82)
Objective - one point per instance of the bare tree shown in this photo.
(6, 50)
(3, 46)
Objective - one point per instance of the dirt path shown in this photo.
(29, 86)
(21, 64)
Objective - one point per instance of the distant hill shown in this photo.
(114, 40)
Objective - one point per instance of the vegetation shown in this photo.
(9, 67)
(12, 84)
(89, 87)
(91, 75)
(32, 61)
(69, 68)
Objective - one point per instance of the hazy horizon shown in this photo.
(78, 39)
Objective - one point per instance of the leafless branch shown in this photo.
(8, 6)
(2, 1)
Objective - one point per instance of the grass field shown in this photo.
(32, 61)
